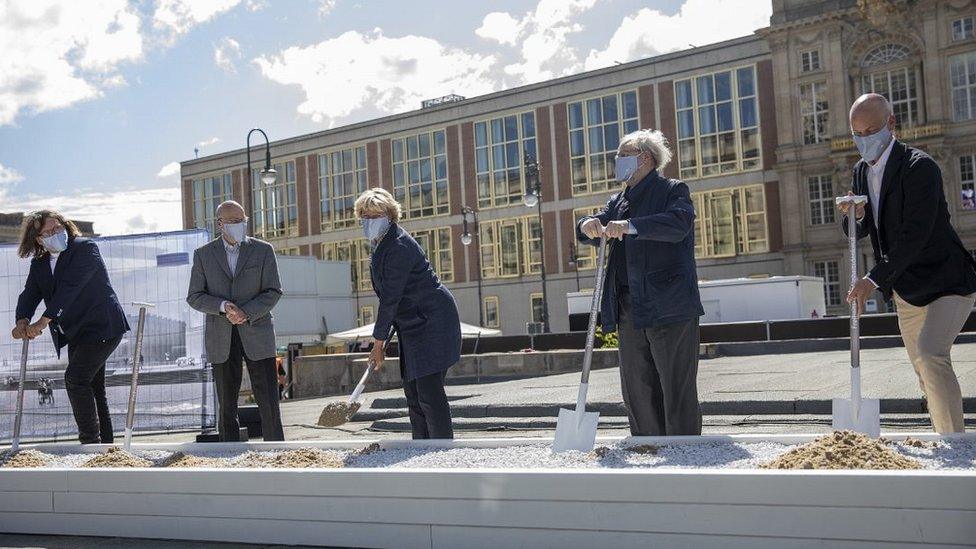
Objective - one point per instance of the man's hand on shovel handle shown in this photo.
(860, 293)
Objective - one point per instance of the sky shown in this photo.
(101, 99)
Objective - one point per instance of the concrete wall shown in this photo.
(326, 375)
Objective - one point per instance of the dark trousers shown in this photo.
(430, 412)
(659, 375)
(84, 381)
(264, 384)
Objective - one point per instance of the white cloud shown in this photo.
(226, 54)
(650, 32)
(208, 142)
(169, 170)
(256, 5)
(177, 17)
(9, 175)
(500, 27)
(58, 53)
(121, 212)
(326, 7)
(353, 70)
(544, 37)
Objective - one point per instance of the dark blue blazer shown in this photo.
(413, 300)
(661, 271)
(78, 297)
(917, 253)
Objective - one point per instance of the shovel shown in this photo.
(15, 443)
(576, 429)
(856, 414)
(130, 416)
(337, 413)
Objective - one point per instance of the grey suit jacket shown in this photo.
(255, 288)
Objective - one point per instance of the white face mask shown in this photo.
(236, 231)
(625, 167)
(56, 243)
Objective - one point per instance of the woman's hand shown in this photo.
(20, 329)
(37, 328)
(377, 355)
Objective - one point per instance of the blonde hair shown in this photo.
(377, 200)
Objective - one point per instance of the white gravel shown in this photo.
(956, 455)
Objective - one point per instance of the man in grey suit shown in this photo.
(235, 282)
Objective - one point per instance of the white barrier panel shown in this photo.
(495, 508)
(174, 387)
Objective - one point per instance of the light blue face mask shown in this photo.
(236, 230)
(872, 146)
(376, 227)
(56, 243)
(624, 167)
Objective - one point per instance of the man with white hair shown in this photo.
(650, 294)
(919, 258)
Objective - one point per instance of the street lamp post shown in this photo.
(268, 174)
(533, 198)
(574, 261)
(466, 240)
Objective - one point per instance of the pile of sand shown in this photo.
(643, 449)
(842, 450)
(918, 443)
(26, 458)
(300, 458)
(179, 459)
(117, 457)
(336, 413)
(372, 448)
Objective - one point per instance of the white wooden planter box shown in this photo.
(492, 508)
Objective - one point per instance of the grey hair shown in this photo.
(652, 141)
(229, 204)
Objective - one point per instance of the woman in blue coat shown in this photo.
(421, 310)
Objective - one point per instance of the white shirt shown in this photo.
(54, 260)
(233, 254)
(875, 176)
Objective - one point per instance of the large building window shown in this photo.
(829, 271)
(275, 206)
(810, 61)
(821, 199)
(730, 222)
(208, 193)
(500, 145)
(585, 254)
(436, 244)
(342, 178)
(420, 174)
(814, 112)
(962, 29)
(511, 247)
(490, 309)
(536, 308)
(367, 315)
(356, 252)
(897, 84)
(962, 77)
(967, 181)
(595, 128)
(718, 123)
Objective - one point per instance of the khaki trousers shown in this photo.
(928, 333)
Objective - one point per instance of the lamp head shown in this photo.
(466, 239)
(268, 176)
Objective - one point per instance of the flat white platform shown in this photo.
(495, 509)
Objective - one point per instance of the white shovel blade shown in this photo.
(575, 433)
(867, 421)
